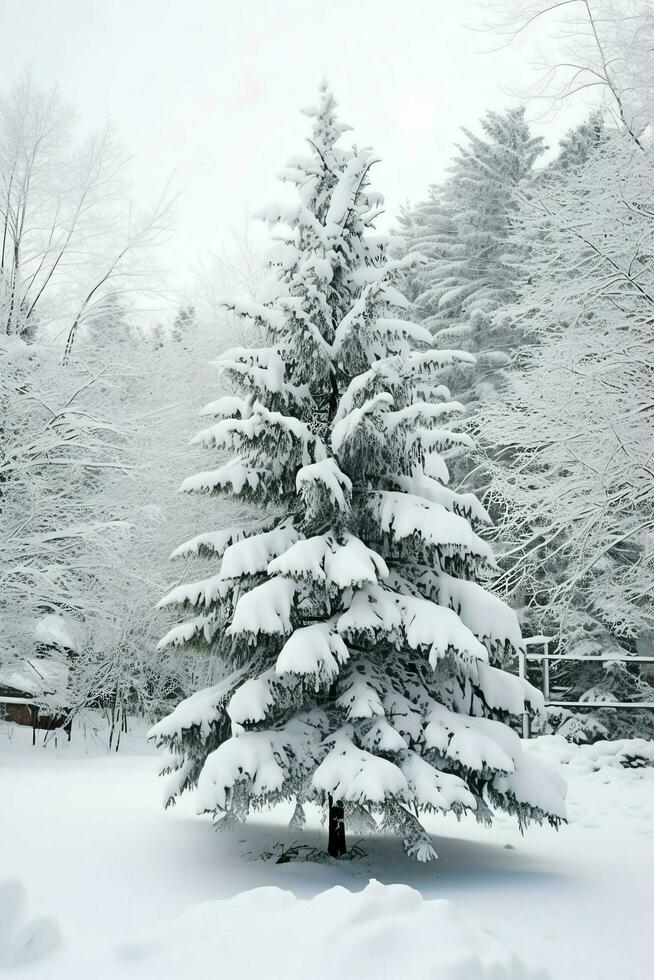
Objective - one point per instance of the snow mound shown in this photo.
(22, 941)
(382, 932)
(623, 753)
(54, 630)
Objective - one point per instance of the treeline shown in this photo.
(545, 272)
(99, 383)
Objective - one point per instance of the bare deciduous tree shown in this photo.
(69, 243)
(605, 47)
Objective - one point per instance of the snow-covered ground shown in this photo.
(98, 881)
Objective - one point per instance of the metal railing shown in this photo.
(546, 658)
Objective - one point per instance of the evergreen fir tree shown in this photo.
(361, 649)
(579, 144)
(463, 231)
(184, 325)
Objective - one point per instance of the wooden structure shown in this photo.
(22, 710)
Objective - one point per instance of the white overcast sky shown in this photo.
(210, 89)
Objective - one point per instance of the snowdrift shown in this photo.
(382, 932)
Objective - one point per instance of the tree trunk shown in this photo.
(336, 843)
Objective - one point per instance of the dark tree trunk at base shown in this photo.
(336, 843)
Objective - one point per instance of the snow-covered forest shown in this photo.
(336, 535)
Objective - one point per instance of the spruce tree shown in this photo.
(463, 231)
(579, 144)
(184, 325)
(361, 650)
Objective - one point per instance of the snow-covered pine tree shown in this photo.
(359, 646)
(579, 144)
(463, 230)
(184, 325)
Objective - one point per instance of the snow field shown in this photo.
(128, 890)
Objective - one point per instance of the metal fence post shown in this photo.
(522, 671)
(546, 673)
